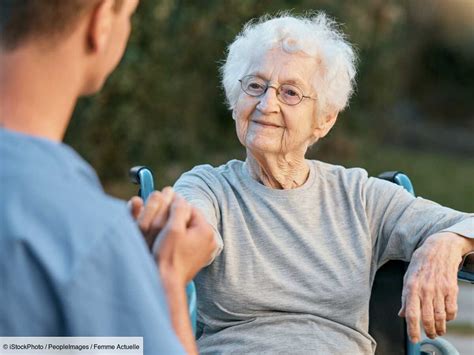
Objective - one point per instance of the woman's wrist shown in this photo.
(467, 244)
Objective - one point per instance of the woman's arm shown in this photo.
(434, 238)
(400, 223)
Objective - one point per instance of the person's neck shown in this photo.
(38, 93)
(278, 171)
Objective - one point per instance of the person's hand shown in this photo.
(430, 286)
(187, 242)
(152, 217)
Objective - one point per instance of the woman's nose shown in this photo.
(269, 101)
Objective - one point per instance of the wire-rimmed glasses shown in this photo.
(288, 94)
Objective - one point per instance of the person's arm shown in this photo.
(178, 307)
(434, 238)
(201, 188)
(185, 244)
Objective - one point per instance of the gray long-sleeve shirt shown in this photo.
(296, 268)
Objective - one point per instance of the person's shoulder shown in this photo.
(56, 205)
(52, 201)
(327, 170)
(61, 186)
(230, 166)
(209, 173)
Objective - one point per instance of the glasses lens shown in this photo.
(290, 94)
(253, 85)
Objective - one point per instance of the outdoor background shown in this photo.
(413, 109)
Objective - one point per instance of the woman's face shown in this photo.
(266, 125)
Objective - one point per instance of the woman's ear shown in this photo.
(325, 124)
(100, 25)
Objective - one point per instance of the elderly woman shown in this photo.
(301, 240)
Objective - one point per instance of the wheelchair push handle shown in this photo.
(142, 176)
(398, 178)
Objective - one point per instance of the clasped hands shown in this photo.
(186, 240)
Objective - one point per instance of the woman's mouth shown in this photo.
(267, 124)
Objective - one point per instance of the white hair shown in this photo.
(313, 34)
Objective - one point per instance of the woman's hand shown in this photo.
(430, 286)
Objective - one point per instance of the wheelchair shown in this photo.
(385, 326)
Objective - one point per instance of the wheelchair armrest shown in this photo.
(466, 271)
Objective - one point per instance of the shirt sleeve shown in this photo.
(116, 291)
(400, 222)
(198, 188)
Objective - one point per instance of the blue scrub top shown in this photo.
(72, 261)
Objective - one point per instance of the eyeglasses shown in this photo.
(286, 93)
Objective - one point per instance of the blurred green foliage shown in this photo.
(164, 106)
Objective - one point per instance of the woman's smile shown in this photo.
(266, 124)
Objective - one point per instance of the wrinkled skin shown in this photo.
(430, 286)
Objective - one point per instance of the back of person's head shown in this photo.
(48, 20)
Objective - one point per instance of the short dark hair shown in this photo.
(23, 20)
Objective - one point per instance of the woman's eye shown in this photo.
(255, 86)
(289, 92)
